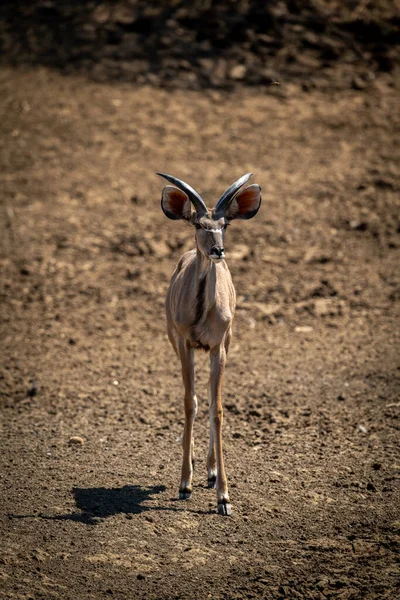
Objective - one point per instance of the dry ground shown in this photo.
(312, 384)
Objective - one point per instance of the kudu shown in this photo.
(200, 306)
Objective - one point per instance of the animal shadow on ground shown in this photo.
(96, 504)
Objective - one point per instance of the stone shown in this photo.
(238, 72)
(76, 440)
(324, 307)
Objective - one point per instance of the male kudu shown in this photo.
(200, 306)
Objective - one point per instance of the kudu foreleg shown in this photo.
(211, 458)
(217, 367)
(190, 405)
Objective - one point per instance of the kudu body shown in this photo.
(200, 306)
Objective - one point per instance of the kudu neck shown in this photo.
(204, 266)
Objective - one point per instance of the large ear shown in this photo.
(175, 204)
(245, 204)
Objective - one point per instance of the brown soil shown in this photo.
(91, 393)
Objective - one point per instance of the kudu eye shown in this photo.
(197, 225)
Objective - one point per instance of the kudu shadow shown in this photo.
(99, 503)
(96, 504)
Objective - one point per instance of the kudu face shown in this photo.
(210, 235)
(210, 224)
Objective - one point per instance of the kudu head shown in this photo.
(210, 224)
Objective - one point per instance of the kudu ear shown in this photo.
(175, 203)
(245, 204)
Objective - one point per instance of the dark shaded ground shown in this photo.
(318, 43)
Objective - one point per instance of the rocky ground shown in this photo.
(224, 44)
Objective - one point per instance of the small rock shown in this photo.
(76, 440)
(324, 307)
(267, 77)
(303, 329)
(358, 225)
(341, 398)
(362, 429)
(358, 83)
(316, 256)
(252, 323)
(32, 390)
(238, 72)
(133, 273)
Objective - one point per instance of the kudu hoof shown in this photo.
(211, 482)
(224, 508)
(185, 494)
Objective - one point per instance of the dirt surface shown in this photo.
(91, 393)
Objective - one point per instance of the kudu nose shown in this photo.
(217, 251)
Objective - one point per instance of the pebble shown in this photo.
(358, 225)
(326, 307)
(238, 72)
(32, 390)
(76, 440)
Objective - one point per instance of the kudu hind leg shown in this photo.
(217, 367)
(190, 405)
